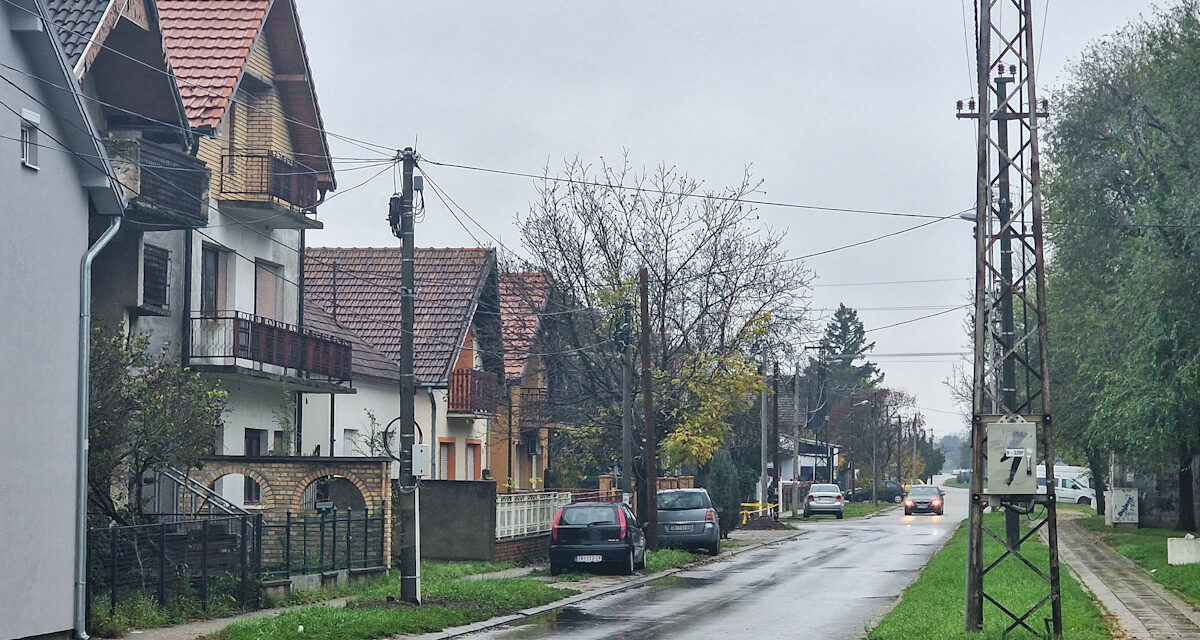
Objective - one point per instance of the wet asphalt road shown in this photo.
(832, 583)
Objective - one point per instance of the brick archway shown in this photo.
(208, 476)
(296, 504)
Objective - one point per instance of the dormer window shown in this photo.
(29, 138)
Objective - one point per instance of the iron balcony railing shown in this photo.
(227, 337)
(270, 176)
(473, 391)
(163, 186)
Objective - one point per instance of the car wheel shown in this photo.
(1085, 501)
(941, 512)
(641, 564)
(840, 514)
(627, 566)
(806, 514)
(555, 568)
(908, 512)
(715, 548)
(897, 499)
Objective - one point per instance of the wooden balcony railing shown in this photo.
(269, 175)
(226, 337)
(473, 391)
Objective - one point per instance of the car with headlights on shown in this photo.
(925, 498)
(824, 498)
(687, 520)
(596, 534)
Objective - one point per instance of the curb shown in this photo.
(457, 632)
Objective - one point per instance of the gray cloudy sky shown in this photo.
(840, 104)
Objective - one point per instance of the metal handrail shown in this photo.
(207, 496)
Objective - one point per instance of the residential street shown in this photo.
(833, 582)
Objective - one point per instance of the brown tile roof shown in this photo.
(523, 297)
(77, 21)
(363, 293)
(368, 362)
(209, 44)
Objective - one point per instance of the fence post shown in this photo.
(304, 544)
(162, 565)
(383, 560)
(287, 546)
(243, 558)
(333, 541)
(349, 518)
(366, 535)
(259, 526)
(321, 562)
(112, 572)
(204, 565)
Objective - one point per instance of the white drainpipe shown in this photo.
(81, 485)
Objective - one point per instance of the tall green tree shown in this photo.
(1123, 209)
(839, 372)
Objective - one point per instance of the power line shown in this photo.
(918, 319)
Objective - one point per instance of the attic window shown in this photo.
(29, 138)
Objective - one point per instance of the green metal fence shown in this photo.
(327, 540)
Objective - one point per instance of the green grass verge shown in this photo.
(932, 607)
(956, 484)
(860, 509)
(1148, 548)
(664, 559)
(449, 600)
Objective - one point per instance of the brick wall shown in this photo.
(521, 550)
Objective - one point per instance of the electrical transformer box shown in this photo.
(1011, 458)
(420, 460)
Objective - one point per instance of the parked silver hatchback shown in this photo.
(687, 520)
(824, 498)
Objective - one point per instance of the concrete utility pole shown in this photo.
(627, 401)
(775, 436)
(1004, 225)
(796, 438)
(651, 452)
(875, 423)
(400, 215)
(763, 444)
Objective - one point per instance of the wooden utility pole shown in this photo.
(400, 216)
(796, 438)
(651, 451)
(627, 400)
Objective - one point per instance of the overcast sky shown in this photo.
(838, 104)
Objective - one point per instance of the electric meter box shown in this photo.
(1011, 458)
(420, 460)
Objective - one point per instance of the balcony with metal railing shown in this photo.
(533, 408)
(270, 188)
(163, 186)
(473, 393)
(236, 342)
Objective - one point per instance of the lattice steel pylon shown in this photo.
(1011, 377)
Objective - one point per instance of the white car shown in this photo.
(1069, 490)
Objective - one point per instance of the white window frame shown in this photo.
(30, 124)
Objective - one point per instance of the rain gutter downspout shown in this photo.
(81, 469)
(433, 442)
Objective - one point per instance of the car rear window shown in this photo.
(589, 515)
(824, 488)
(682, 500)
(923, 489)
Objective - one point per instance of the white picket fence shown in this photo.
(527, 514)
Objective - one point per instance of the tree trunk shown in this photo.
(1187, 508)
(1099, 466)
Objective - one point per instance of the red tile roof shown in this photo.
(361, 289)
(367, 361)
(523, 297)
(209, 43)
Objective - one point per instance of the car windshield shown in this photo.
(925, 490)
(589, 515)
(824, 488)
(682, 500)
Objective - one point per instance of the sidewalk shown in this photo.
(1142, 607)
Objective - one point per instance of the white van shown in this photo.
(1069, 489)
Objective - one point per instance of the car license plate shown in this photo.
(592, 558)
(824, 499)
(680, 527)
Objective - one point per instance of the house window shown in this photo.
(266, 290)
(350, 442)
(29, 138)
(445, 470)
(156, 262)
(255, 439)
(212, 280)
